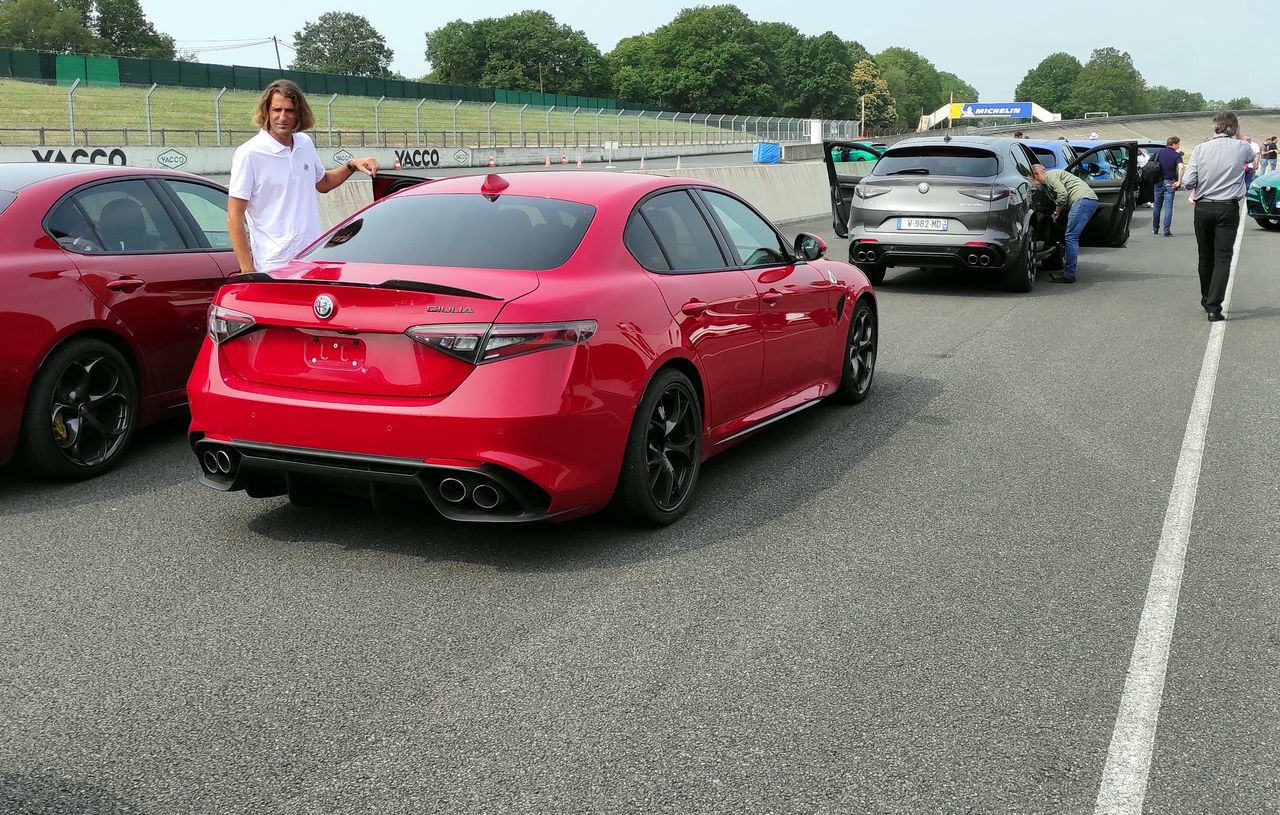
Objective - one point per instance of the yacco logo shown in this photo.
(172, 159)
(462, 157)
(115, 156)
(418, 158)
(343, 156)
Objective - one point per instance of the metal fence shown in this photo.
(38, 114)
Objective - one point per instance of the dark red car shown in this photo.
(106, 278)
(524, 347)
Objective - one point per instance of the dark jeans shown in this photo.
(1216, 226)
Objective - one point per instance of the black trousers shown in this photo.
(1216, 225)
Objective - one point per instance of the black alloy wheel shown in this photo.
(80, 412)
(859, 356)
(664, 452)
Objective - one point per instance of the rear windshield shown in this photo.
(967, 162)
(6, 198)
(461, 230)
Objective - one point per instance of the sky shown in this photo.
(990, 44)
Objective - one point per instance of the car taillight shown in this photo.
(987, 193)
(869, 190)
(479, 343)
(226, 324)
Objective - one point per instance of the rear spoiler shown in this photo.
(387, 182)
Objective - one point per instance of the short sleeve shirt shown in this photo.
(1169, 160)
(280, 185)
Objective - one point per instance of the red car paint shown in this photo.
(150, 306)
(351, 396)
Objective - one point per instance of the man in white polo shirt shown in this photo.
(274, 180)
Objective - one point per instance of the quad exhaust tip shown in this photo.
(453, 490)
(486, 496)
(218, 461)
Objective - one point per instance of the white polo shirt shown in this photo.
(280, 185)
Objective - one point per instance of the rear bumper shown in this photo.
(536, 426)
(973, 255)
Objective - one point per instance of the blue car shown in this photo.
(1053, 154)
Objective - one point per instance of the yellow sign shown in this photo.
(955, 110)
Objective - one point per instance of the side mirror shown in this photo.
(809, 247)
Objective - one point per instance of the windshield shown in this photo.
(461, 230)
(967, 162)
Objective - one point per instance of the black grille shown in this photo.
(1269, 197)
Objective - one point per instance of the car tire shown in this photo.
(1021, 275)
(80, 412)
(859, 366)
(663, 457)
(1268, 223)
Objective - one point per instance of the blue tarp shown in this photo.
(766, 153)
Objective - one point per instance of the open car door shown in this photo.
(848, 162)
(1111, 171)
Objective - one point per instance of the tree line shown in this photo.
(712, 59)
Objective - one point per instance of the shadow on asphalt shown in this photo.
(777, 473)
(47, 794)
(155, 460)
(1105, 269)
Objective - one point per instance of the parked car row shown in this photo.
(969, 202)
(505, 348)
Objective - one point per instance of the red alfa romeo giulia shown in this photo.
(525, 347)
(106, 279)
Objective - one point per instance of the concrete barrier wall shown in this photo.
(786, 193)
(217, 160)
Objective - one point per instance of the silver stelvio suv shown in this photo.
(969, 202)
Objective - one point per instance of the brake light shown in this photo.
(225, 323)
(987, 193)
(478, 343)
(869, 190)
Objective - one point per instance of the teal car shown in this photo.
(1263, 200)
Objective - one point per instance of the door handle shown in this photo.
(771, 296)
(125, 284)
(693, 308)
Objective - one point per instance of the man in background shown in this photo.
(1169, 161)
(1215, 176)
(1267, 157)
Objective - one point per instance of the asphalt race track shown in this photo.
(924, 604)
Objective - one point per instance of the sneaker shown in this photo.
(1061, 278)
(1168, 234)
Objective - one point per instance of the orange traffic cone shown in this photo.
(579, 161)
(492, 163)
(564, 159)
(397, 167)
(548, 164)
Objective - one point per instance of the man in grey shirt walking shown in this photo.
(1215, 177)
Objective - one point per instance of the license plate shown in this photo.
(925, 224)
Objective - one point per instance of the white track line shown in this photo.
(1124, 778)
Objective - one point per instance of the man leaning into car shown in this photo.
(1079, 201)
(274, 180)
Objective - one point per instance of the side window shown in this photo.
(208, 206)
(751, 235)
(68, 226)
(643, 246)
(1020, 161)
(129, 218)
(682, 232)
